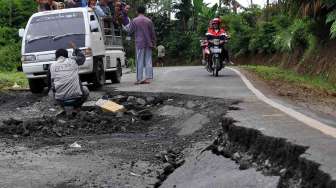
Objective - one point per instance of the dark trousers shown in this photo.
(76, 102)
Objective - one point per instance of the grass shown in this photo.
(131, 65)
(279, 74)
(8, 79)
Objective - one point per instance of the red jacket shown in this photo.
(213, 32)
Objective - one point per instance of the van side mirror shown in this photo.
(21, 32)
(94, 26)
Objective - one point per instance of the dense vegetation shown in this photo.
(13, 15)
(284, 26)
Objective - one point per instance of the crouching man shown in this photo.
(64, 80)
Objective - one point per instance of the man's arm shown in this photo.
(50, 82)
(79, 57)
(130, 27)
(99, 11)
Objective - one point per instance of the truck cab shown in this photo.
(51, 30)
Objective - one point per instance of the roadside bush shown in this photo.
(262, 41)
(183, 44)
(131, 64)
(298, 35)
(9, 57)
(240, 33)
(8, 35)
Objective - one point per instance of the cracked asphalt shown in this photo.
(127, 159)
(253, 114)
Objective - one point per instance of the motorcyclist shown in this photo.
(216, 31)
(205, 48)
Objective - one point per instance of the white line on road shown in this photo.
(326, 129)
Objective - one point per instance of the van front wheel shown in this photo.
(116, 75)
(36, 85)
(98, 75)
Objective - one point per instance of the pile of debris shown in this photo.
(130, 114)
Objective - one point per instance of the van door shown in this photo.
(97, 40)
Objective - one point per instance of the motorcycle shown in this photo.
(215, 54)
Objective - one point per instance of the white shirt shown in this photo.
(161, 51)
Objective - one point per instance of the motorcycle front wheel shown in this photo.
(216, 64)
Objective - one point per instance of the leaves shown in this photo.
(333, 30)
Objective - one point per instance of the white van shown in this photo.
(51, 30)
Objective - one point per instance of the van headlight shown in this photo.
(28, 58)
(87, 52)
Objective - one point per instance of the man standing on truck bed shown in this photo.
(145, 40)
(64, 80)
(102, 8)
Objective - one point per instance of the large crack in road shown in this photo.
(162, 140)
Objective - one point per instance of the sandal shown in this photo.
(137, 83)
(145, 82)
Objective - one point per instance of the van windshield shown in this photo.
(55, 31)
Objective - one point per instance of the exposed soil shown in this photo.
(314, 100)
(320, 62)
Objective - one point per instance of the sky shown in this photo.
(243, 2)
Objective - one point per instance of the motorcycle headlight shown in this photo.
(28, 58)
(216, 41)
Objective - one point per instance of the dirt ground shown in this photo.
(138, 148)
(316, 101)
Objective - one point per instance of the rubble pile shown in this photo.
(91, 120)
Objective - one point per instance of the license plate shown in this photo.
(216, 50)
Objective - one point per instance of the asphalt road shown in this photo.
(254, 113)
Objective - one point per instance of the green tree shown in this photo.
(184, 11)
(15, 13)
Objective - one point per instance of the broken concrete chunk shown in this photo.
(119, 97)
(61, 121)
(130, 98)
(110, 106)
(244, 165)
(236, 156)
(267, 163)
(283, 172)
(190, 104)
(141, 101)
(150, 99)
(89, 105)
(75, 145)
